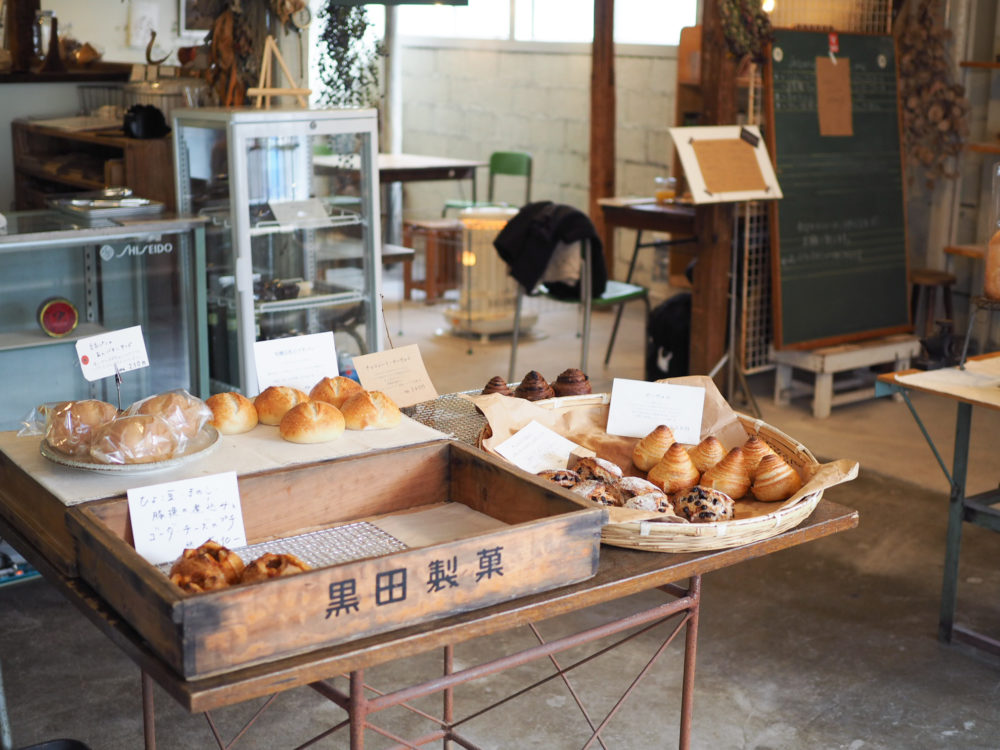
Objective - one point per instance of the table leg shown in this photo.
(358, 710)
(148, 713)
(690, 655)
(956, 507)
(448, 694)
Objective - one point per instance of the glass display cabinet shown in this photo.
(63, 279)
(293, 244)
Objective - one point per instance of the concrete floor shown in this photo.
(829, 645)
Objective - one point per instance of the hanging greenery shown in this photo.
(348, 63)
(747, 28)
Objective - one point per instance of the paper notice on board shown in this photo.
(833, 96)
(728, 165)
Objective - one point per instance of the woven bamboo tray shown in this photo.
(698, 537)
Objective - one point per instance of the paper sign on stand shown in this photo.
(638, 407)
(535, 447)
(298, 361)
(171, 517)
(399, 373)
(119, 351)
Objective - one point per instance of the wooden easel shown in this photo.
(265, 90)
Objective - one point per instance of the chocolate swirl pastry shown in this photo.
(533, 387)
(572, 382)
(497, 384)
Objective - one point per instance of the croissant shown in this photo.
(729, 475)
(707, 453)
(775, 480)
(648, 451)
(675, 472)
(754, 449)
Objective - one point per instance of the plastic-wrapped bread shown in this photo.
(754, 449)
(71, 425)
(775, 480)
(675, 472)
(141, 439)
(707, 453)
(729, 475)
(650, 449)
(185, 413)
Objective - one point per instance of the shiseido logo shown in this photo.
(150, 248)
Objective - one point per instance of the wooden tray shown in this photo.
(539, 537)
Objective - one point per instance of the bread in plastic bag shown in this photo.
(139, 439)
(70, 425)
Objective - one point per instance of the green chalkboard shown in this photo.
(839, 266)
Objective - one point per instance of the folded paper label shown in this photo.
(638, 407)
(298, 361)
(535, 448)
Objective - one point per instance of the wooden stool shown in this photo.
(930, 280)
(441, 240)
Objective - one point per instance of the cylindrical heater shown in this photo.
(488, 291)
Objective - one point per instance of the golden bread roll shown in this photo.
(592, 467)
(71, 425)
(140, 439)
(187, 414)
(754, 449)
(675, 472)
(497, 384)
(210, 566)
(775, 480)
(335, 390)
(533, 387)
(707, 453)
(650, 449)
(703, 505)
(272, 403)
(729, 475)
(371, 410)
(312, 422)
(572, 382)
(271, 565)
(232, 413)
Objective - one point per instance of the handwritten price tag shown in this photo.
(535, 447)
(118, 351)
(170, 517)
(399, 373)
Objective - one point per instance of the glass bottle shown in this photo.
(41, 35)
(991, 282)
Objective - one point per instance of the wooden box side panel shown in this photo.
(278, 618)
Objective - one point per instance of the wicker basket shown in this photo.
(698, 537)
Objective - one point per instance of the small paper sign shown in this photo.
(171, 517)
(399, 373)
(298, 361)
(638, 407)
(103, 355)
(297, 214)
(535, 447)
(833, 96)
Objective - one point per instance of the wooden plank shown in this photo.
(602, 122)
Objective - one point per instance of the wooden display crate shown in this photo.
(535, 539)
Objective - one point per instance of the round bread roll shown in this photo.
(140, 439)
(312, 422)
(271, 565)
(71, 425)
(371, 410)
(334, 390)
(187, 414)
(232, 413)
(275, 400)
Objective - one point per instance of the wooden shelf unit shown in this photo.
(50, 161)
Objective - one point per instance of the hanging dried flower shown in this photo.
(747, 28)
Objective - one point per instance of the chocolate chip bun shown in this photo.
(275, 400)
(533, 387)
(563, 477)
(704, 505)
(572, 382)
(232, 413)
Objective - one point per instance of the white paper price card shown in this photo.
(399, 373)
(298, 361)
(171, 517)
(638, 407)
(103, 355)
(535, 447)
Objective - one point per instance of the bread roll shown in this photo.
(729, 475)
(650, 449)
(675, 472)
(71, 425)
(140, 439)
(371, 410)
(187, 414)
(312, 422)
(775, 480)
(707, 453)
(232, 413)
(335, 390)
(704, 505)
(271, 565)
(272, 403)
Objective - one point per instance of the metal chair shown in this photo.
(509, 163)
(615, 293)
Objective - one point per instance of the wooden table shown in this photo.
(975, 384)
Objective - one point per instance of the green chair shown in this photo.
(508, 163)
(615, 293)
